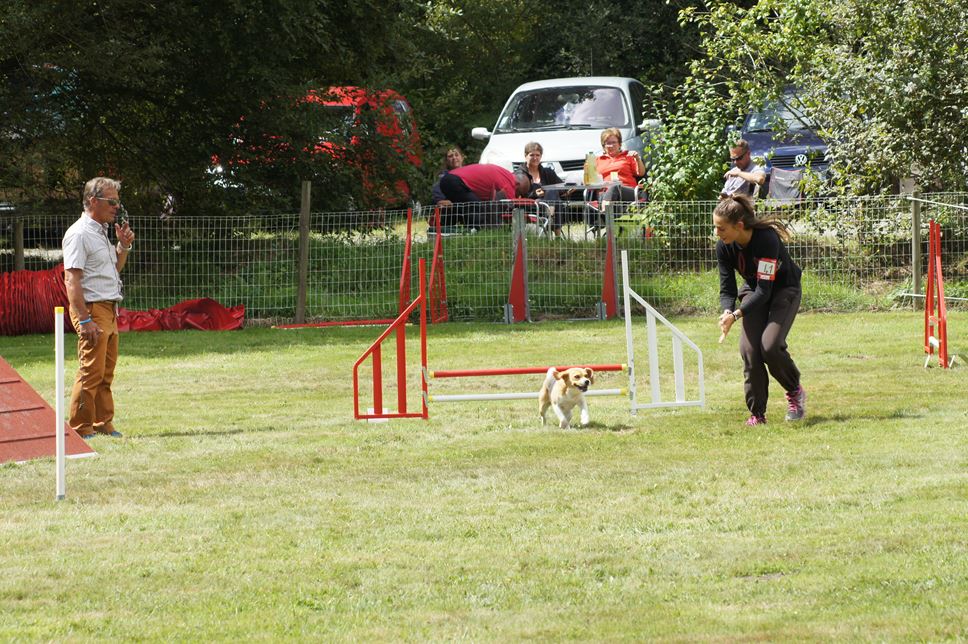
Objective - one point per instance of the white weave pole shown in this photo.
(59, 402)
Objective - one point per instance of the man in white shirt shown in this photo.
(91, 273)
(744, 176)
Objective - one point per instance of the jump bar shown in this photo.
(320, 325)
(514, 371)
(517, 396)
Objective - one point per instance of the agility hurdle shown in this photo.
(652, 316)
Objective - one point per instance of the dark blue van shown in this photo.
(784, 137)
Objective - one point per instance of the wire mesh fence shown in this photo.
(856, 253)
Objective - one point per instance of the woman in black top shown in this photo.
(540, 175)
(769, 301)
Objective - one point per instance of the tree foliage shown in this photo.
(149, 91)
(886, 82)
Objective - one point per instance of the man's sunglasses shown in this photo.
(737, 158)
(111, 202)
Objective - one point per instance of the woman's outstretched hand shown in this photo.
(725, 324)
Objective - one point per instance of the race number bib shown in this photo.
(766, 270)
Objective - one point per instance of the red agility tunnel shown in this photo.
(514, 371)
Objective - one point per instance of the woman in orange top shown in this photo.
(626, 164)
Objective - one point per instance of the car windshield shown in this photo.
(781, 115)
(563, 108)
(333, 122)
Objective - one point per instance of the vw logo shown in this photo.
(801, 159)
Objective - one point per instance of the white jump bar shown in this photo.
(517, 396)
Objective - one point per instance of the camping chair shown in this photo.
(537, 214)
(595, 213)
(785, 186)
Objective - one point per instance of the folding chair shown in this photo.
(537, 213)
(595, 223)
(785, 186)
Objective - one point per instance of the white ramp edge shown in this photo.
(678, 339)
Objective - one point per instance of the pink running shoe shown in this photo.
(796, 404)
(756, 420)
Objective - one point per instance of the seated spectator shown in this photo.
(540, 175)
(454, 158)
(625, 165)
(543, 176)
(744, 177)
(481, 182)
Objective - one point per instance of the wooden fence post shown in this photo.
(916, 248)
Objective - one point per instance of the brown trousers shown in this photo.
(92, 404)
(763, 345)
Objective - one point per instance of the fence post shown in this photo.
(916, 247)
(304, 207)
(18, 244)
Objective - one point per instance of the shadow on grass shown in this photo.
(196, 434)
(817, 419)
(596, 426)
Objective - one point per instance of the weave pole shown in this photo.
(60, 438)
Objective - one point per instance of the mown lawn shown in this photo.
(245, 503)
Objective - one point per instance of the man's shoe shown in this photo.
(108, 430)
(796, 404)
(754, 420)
(87, 437)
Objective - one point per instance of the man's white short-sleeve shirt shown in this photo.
(87, 247)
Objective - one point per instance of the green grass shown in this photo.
(244, 503)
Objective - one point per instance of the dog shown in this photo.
(563, 391)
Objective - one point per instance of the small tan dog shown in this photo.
(563, 391)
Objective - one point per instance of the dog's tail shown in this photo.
(550, 378)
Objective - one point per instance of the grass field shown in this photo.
(244, 503)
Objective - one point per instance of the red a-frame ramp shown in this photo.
(27, 422)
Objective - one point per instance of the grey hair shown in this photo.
(95, 188)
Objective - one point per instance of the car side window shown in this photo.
(403, 116)
(637, 93)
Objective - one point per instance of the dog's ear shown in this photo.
(590, 374)
(559, 374)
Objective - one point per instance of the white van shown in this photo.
(566, 116)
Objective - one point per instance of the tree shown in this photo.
(150, 91)
(887, 83)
